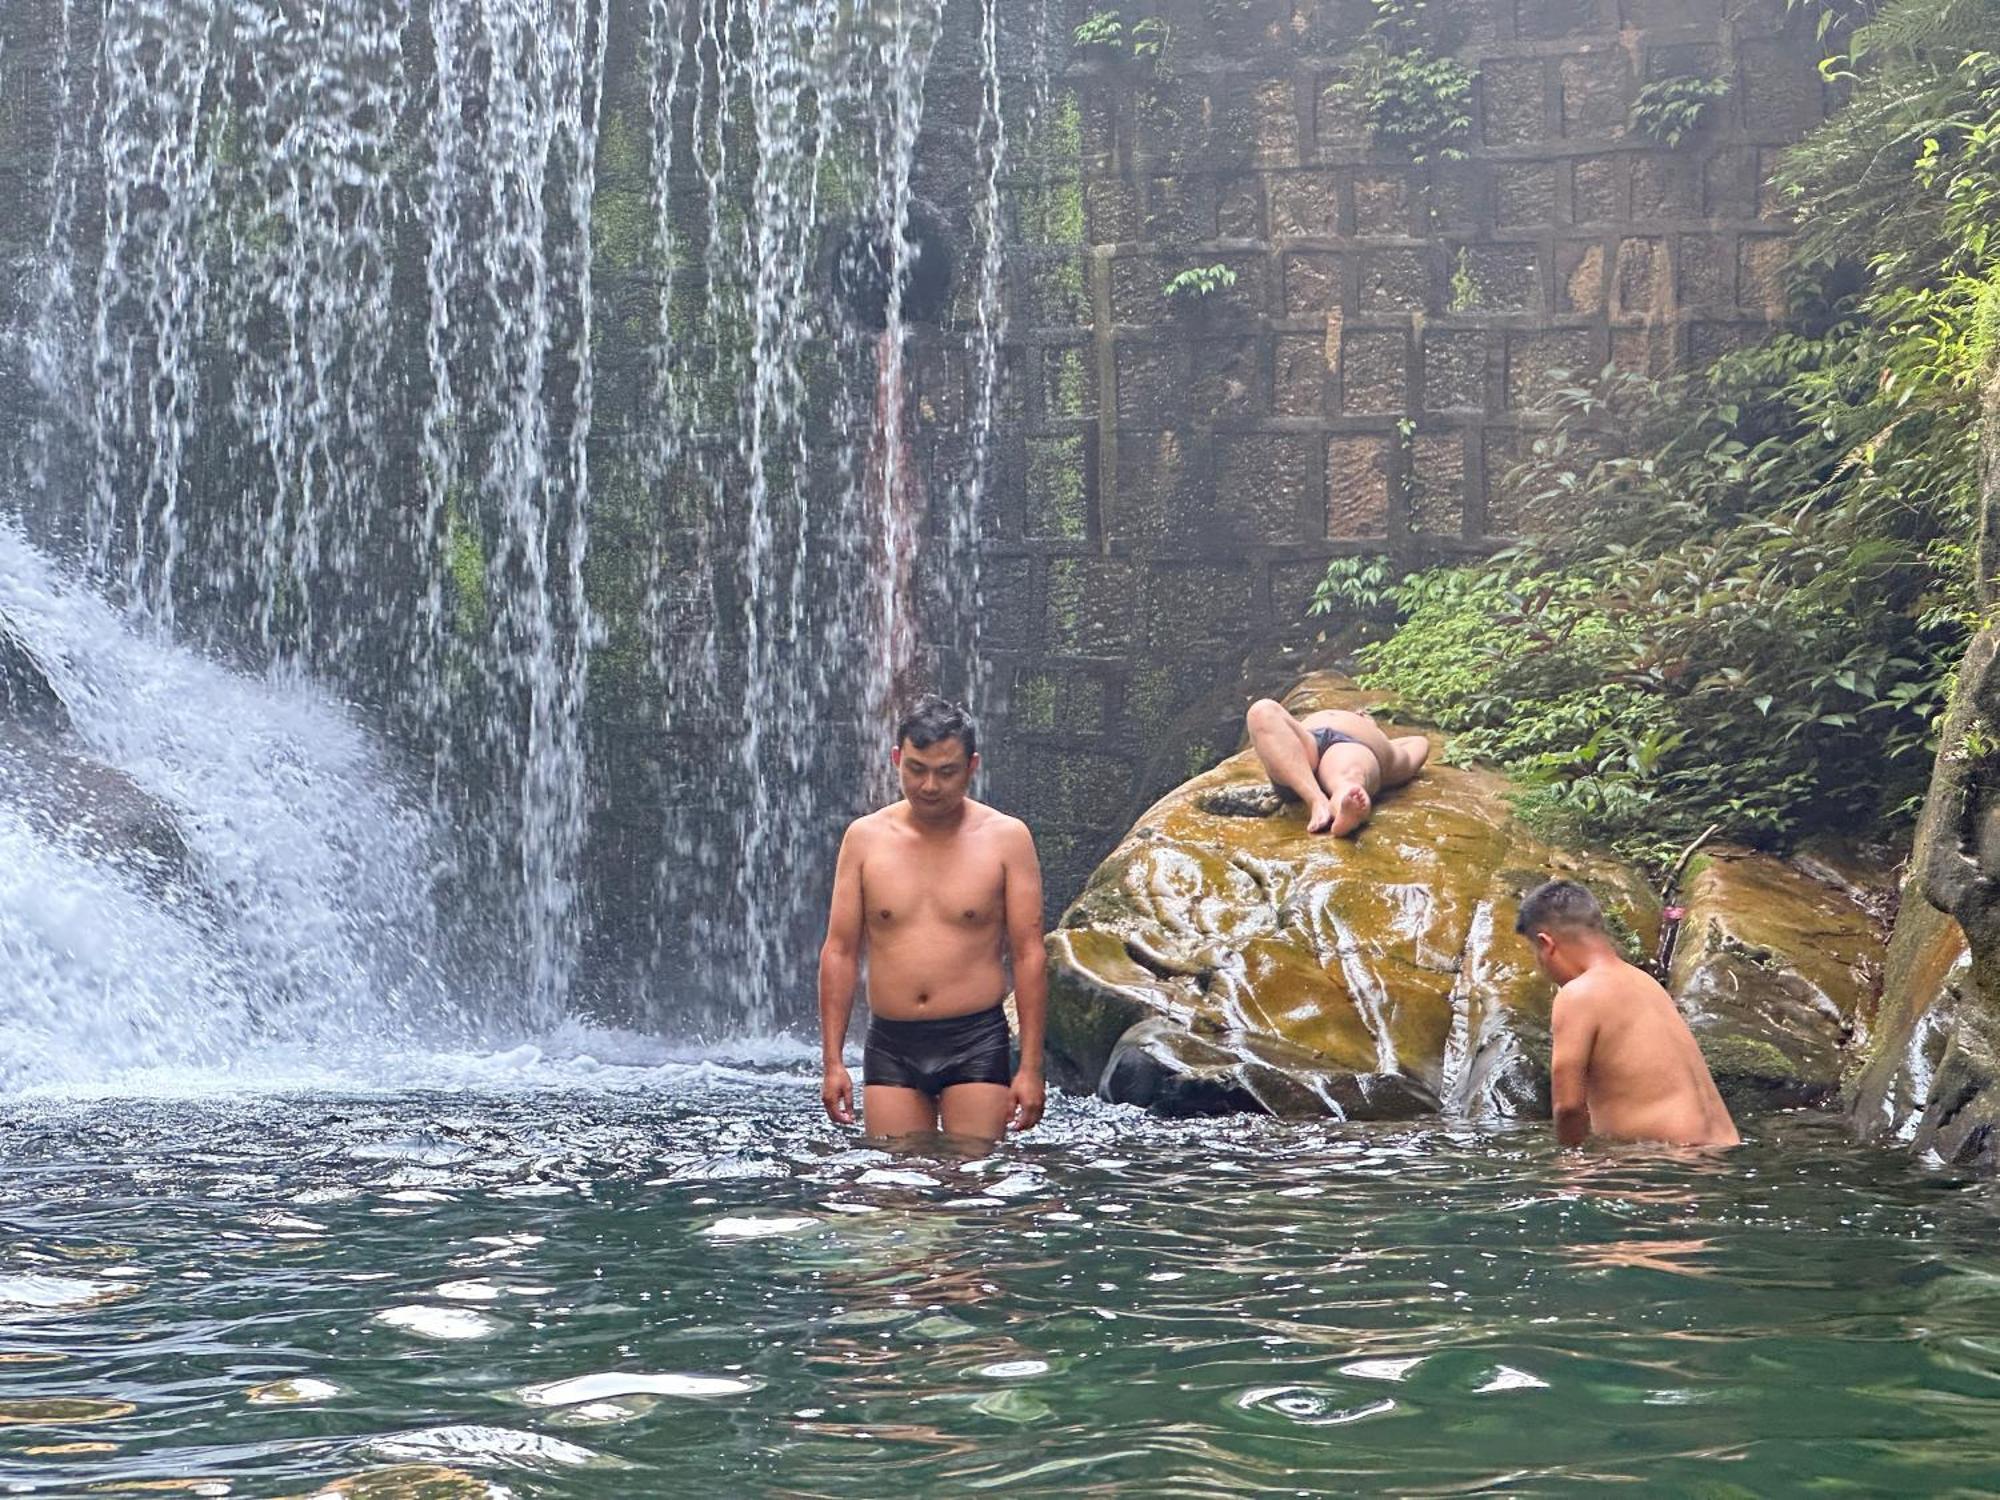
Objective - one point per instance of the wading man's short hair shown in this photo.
(932, 719)
(1559, 905)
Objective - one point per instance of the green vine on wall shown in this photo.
(1198, 283)
(1106, 31)
(1672, 109)
(1415, 96)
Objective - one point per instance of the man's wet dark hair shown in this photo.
(1559, 905)
(932, 719)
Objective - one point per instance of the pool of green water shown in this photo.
(688, 1284)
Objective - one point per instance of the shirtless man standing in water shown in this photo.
(1334, 761)
(1625, 1066)
(941, 891)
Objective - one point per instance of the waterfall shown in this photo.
(532, 385)
(304, 918)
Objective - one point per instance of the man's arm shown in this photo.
(1031, 973)
(839, 973)
(1573, 1025)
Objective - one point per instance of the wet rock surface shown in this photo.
(1771, 970)
(1223, 959)
(1931, 1074)
(48, 778)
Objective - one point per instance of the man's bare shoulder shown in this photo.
(1586, 992)
(1608, 985)
(1003, 828)
(871, 826)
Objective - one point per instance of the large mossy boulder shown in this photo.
(1772, 969)
(1224, 959)
(1931, 1073)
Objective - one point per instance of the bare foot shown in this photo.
(1321, 817)
(1352, 812)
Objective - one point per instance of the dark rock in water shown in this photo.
(1225, 960)
(1242, 802)
(1172, 1071)
(89, 805)
(69, 795)
(27, 697)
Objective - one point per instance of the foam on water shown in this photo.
(308, 919)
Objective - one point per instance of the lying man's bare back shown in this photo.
(1334, 761)
(940, 891)
(1623, 1064)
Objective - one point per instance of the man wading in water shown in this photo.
(1624, 1064)
(936, 888)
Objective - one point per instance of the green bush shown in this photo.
(1742, 594)
(1672, 109)
(1416, 97)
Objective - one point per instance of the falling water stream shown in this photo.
(351, 324)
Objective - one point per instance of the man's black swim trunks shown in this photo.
(931, 1056)
(1323, 740)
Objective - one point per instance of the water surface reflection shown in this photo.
(691, 1286)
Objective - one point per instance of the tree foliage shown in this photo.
(1744, 592)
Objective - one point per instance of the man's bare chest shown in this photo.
(912, 887)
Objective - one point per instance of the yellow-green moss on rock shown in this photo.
(1221, 957)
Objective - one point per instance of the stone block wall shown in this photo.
(1172, 479)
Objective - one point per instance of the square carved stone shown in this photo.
(1454, 369)
(1267, 479)
(1312, 283)
(1394, 280)
(1437, 485)
(1357, 486)
(1148, 386)
(1642, 285)
(1504, 278)
(1596, 94)
(1304, 205)
(1537, 362)
(1091, 605)
(1300, 385)
(1580, 276)
(1513, 102)
(1374, 371)
(1381, 204)
(1760, 274)
(1525, 195)
(1706, 271)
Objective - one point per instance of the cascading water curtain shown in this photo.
(792, 613)
(332, 341)
(548, 378)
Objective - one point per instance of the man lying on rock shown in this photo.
(1334, 761)
(1624, 1065)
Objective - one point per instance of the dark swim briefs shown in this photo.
(1323, 740)
(932, 1056)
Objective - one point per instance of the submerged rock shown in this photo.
(70, 795)
(94, 807)
(27, 698)
(1223, 960)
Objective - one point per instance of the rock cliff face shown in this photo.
(1931, 1075)
(1222, 959)
(1932, 1072)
